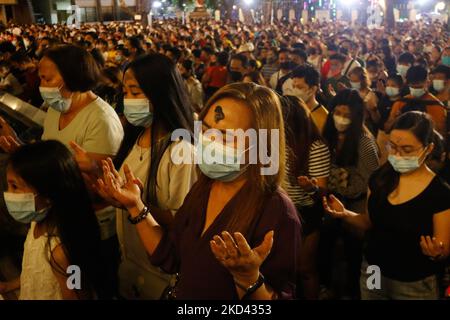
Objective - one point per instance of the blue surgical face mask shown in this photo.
(403, 164)
(22, 207)
(228, 168)
(355, 85)
(137, 112)
(52, 96)
(446, 60)
(417, 92)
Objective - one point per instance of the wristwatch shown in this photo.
(314, 191)
(252, 288)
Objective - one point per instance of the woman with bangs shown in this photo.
(237, 235)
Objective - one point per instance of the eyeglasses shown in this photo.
(402, 151)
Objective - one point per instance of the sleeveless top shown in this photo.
(37, 280)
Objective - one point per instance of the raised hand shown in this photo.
(127, 193)
(334, 207)
(331, 90)
(86, 163)
(9, 144)
(235, 254)
(431, 246)
(101, 186)
(307, 184)
(341, 86)
(381, 87)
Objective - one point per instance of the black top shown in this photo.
(394, 240)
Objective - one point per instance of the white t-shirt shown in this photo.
(354, 63)
(288, 87)
(275, 77)
(96, 128)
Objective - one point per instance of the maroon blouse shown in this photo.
(183, 250)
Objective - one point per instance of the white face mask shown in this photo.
(303, 94)
(439, 85)
(137, 112)
(341, 123)
(355, 85)
(52, 96)
(402, 70)
(22, 207)
(417, 92)
(392, 91)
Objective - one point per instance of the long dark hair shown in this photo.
(300, 132)
(163, 85)
(385, 179)
(49, 167)
(348, 155)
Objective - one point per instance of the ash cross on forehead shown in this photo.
(218, 114)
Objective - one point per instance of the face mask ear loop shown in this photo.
(59, 89)
(243, 152)
(422, 153)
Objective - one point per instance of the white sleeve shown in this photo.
(174, 181)
(274, 80)
(104, 134)
(287, 88)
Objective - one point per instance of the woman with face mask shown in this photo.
(49, 192)
(235, 214)
(154, 107)
(354, 157)
(75, 113)
(78, 118)
(307, 171)
(408, 219)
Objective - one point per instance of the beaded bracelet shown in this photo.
(141, 216)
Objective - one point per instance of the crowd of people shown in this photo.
(363, 160)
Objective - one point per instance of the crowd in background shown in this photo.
(364, 159)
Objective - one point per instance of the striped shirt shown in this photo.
(318, 167)
(268, 70)
(352, 182)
